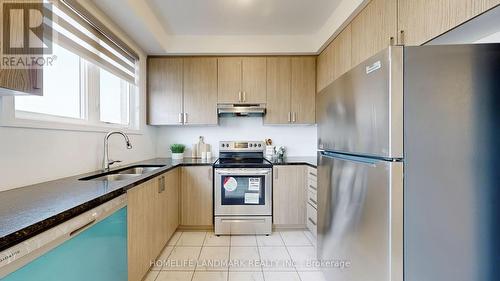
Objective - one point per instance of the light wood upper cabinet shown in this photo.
(242, 80)
(342, 59)
(200, 91)
(229, 80)
(254, 80)
(423, 20)
(303, 90)
(289, 195)
(196, 196)
(165, 91)
(278, 90)
(373, 29)
(291, 89)
(335, 59)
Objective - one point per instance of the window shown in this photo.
(61, 86)
(114, 98)
(90, 85)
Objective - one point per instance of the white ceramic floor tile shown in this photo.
(304, 257)
(276, 259)
(311, 237)
(183, 258)
(212, 240)
(175, 276)
(272, 240)
(191, 239)
(295, 238)
(281, 276)
(173, 240)
(151, 276)
(244, 240)
(213, 259)
(162, 259)
(246, 276)
(210, 276)
(310, 276)
(244, 259)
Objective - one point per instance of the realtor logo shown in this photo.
(26, 34)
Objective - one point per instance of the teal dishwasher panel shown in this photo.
(98, 254)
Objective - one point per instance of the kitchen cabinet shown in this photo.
(172, 186)
(335, 59)
(422, 20)
(152, 218)
(196, 196)
(290, 90)
(241, 80)
(303, 91)
(278, 91)
(22, 81)
(165, 91)
(182, 91)
(200, 91)
(373, 29)
(289, 195)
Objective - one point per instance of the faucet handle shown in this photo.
(111, 162)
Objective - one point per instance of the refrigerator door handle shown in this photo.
(351, 158)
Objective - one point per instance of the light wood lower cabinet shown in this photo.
(196, 196)
(152, 218)
(289, 195)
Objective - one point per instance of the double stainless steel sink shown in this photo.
(124, 174)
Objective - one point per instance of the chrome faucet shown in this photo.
(106, 162)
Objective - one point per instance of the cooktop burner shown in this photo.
(242, 154)
(242, 163)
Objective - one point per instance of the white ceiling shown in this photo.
(229, 26)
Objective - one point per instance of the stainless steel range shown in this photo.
(243, 189)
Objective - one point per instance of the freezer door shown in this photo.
(360, 218)
(362, 111)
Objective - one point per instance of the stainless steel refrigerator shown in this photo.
(408, 182)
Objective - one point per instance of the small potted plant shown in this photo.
(177, 151)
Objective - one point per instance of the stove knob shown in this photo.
(251, 144)
(260, 145)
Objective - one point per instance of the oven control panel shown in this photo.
(242, 146)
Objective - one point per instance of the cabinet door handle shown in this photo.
(180, 117)
(311, 220)
(244, 96)
(314, 201)
(77, 230)
(289, 117)
(185, 118)
(312, 174)
(312, 187)
(294, 115)
(402, 37)
(239, 96)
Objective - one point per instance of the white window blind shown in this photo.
(77, 30)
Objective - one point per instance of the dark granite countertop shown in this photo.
(297, 160)
(28, 211)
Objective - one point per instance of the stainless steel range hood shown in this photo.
(241, 110)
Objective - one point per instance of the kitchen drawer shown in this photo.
(312, 186)
(312, 199)
(312, 216)
(312, 173)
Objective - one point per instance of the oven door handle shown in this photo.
(242, 172)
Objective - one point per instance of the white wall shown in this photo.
(299, 140)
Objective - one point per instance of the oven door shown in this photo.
(243, 192)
